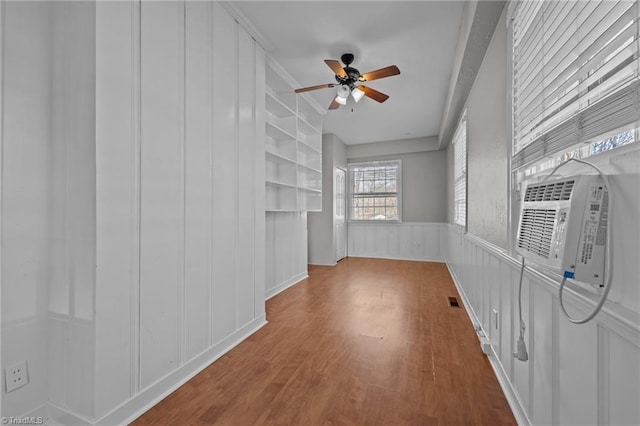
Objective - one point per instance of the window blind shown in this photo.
(460, 172)
(575, 73)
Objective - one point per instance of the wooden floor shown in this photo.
(368, 342)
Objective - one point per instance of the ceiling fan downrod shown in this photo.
(352, 74)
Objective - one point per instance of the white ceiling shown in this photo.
(418, 36)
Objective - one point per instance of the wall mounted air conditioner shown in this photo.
(563, 226)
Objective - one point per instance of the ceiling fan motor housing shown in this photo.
(353, 75)
(347, 58)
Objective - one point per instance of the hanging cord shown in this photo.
(521, 351)
(607, 253)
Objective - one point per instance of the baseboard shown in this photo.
(414, 259)
(143, 401)
(322, 264)
(285, 285)
(503, 379)
(39, 415)
(509, 391)
(58, 416)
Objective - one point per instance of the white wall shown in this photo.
(179, 190)
(400, 146)
(71, 335)
(132, 201)
(487, 146)
(322, 244)
(408, 240)
(26, 175)
(479, 20)
(423, 175)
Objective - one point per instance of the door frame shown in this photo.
(346, 222)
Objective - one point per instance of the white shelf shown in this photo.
(309, 136)
(287, 148)
(276, 107)
(293, 148)
(311, 169)
(279, 170)
(283, 184)
(309, 179)
(310, 146)
(276, 132)
(311, 190)
(309, 157)
(309, 200)
(306, 128)
(280, 157)
(280, 197)
(309, 114)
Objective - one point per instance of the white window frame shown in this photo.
(589, 121)
(398, 192)
(460, 173)
(574, 78)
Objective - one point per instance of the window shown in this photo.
(460, 173)
(575, 83)
(584, 151)
(575, 77)
(375, 190)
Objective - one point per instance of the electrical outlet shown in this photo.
(16, 376)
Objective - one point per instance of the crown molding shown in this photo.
(247, 25)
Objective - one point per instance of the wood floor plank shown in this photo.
(367, 342)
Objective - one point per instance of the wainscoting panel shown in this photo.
(180, 245)
(199, 185)
(245, 171)
(286, 250)
(576, 374)
(161, 242)
(411, 240)
(118, 187)
(225, 169)
(624, 380)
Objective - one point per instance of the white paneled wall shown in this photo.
(71, 336)
(576, 374)
(161, 189)
(132, 214)
(410, 240)
(118, 227)
(180, 197)
(26, 174)
(286, 250)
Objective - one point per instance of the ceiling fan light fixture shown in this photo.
(357, 93)
(343, 92)
(341, 100)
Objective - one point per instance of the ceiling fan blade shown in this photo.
(319, 86)
(334, 104)
(336, 67)
(381, 73)
(373, 94)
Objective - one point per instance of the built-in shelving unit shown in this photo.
(293, 147)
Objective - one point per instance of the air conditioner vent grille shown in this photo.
(536, 231)
(558, 191)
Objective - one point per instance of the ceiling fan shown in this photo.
(347, 77)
